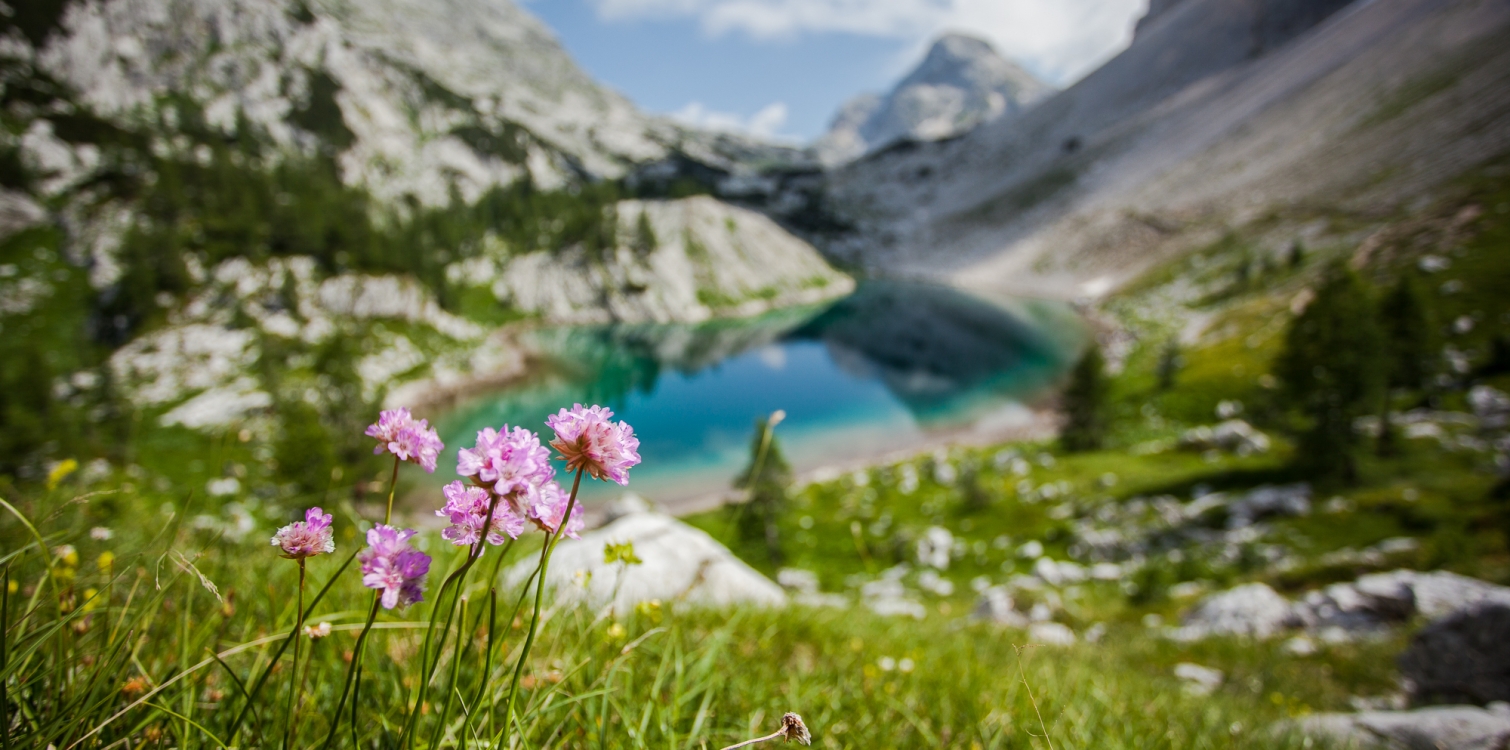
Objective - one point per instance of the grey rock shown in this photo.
(1436, 728)
(996, 605)
(1199, 680)
(1051, 634)
(1252, 609)
(1490, 405)
(1464, 657)
(1233, 436)
(1290, 500)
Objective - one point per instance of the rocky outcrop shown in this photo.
(1438, 728)
(702, 259)
(961, 83)
(678, 564)
(1343, 611)
(1463, 657)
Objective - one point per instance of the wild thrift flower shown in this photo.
(394, 568)
(512, 463)
(548, 508)
(467, 508)
(588, 440)
(306, 538)
(409, 439)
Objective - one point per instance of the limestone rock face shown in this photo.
(680, 564)
(961, 83)
(1438, 728)
(708, 259)
(1462, 657)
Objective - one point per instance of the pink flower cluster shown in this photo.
(511, 463)
(467, 509)
(401, 434)
(306, 538)
(587, 439)
(394, 568)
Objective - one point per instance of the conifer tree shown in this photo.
(1410, 350)
(1169, 364)
(1085, 404)
(766, 479)
(1333, 372)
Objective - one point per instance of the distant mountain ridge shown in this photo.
(961, 83)
(1220, 113)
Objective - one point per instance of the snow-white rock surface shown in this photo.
(680, 564)
(961, 83)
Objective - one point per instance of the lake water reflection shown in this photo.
(893, 365)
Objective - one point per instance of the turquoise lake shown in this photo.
(892, 366)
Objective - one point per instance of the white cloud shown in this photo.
(763, 124)
(1061, 40)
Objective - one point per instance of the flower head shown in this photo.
(306, 538)
(549, 508)
(393, 567)
(409, 439)
(588, 440)
(316, 632)
(512, 463)
(467, 509)
(792, 729)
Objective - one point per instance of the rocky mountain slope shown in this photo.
(680, 261)
(417, 99)
(1222, 115)
(273, 212)
(961, 83)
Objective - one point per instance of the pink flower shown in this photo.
(467, 509)
(409, 439)
(306, 538)
(587, 439)
(550, 506)
(393, 567)
(512, 463)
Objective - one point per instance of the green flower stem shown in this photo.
(251, 697)
(293, 674)
(392, 488)
(351, 672)
(545, 561)
(427, 665)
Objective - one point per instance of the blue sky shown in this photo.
(780, 68)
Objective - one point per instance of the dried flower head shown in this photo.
(792, 729)
(306, 538)
(316, 632)
(399, 433)
(467, 509)
(587, 439)
(394, 568)
(511, 463)
(549, 508)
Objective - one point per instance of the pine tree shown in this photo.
(1410, 336)
(1085, 404)
(1333, 372)
(645, 241)
(766, 479)
(1169, 364)
(1410, 350)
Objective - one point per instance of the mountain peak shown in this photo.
(961, 83)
